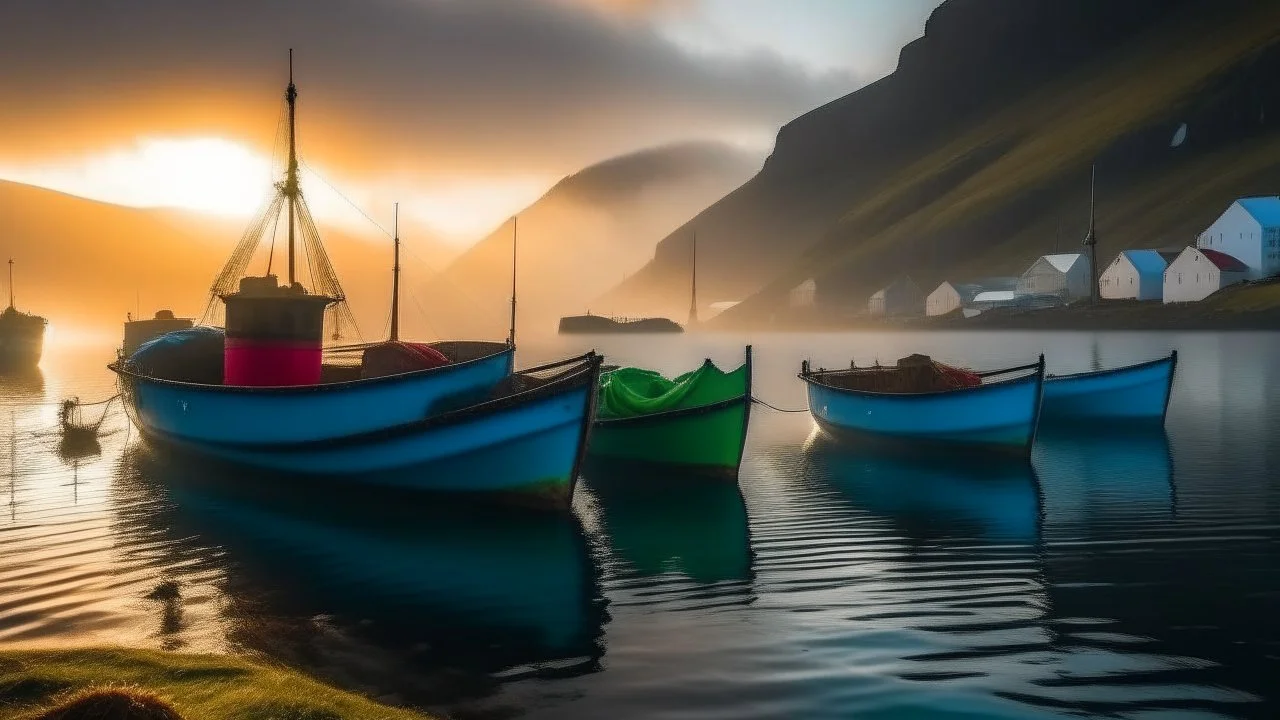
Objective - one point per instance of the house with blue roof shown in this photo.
(1134, 275)
(1249, 230)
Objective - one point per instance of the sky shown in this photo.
(463, 111)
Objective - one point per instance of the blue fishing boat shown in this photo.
(923, 401)
(1132, 394)
(526, 443)
(268, 379)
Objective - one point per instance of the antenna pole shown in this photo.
(693, 295)
(1091, 240)
(291, 178)
(395, 282)
(515, 234)
(11, 282)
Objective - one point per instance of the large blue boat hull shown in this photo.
(529, 450)
(216, 414)
(1137, 393)
(1001, 416)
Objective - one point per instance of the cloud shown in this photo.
(416, 88)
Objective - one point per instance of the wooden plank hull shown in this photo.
(200, 415)
(1136, 393)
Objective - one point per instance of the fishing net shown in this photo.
(630, 392)
(912, 374)
(191, 355)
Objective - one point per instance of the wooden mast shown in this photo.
(11, 283)
(693, 296)
(1091, 240)
(291, 176)
(515, 234)
(395, 282)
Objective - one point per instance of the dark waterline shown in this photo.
(1131, 575)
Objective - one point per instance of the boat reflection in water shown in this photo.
(1113, 473)
(667, 521)
(928, 497)
(417, 591)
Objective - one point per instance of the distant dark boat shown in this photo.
(21, 335)
(598, 324)
(137, 332)
(593, 324)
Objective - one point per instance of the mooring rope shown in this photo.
(758, 401)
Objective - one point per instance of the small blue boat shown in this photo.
(526, 442)
(922, 401)
(1135, 393)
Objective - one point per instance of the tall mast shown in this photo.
(395, 282)
(291, 177)
(515, 234)
(1091, 240)
(11, 283)
(693, 296)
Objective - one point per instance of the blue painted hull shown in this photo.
(528, 446)
(1137, 393)
(998, 416)
(200, 415)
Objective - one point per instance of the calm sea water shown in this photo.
(1124, 576)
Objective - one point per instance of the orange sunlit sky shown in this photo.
(462, 111)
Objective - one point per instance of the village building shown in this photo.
(1249, 231)
(1065, 275)
(804, 294)
(899, 298)
(1134, 275)
(949, 297)
(1200, 272)
(989, 299)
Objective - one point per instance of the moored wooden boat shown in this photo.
(266, 380)
(21, 335)
(1134, 393)
(920, 401)
(698, 422)
(525, 443)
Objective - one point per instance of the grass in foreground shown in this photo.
(121, 684)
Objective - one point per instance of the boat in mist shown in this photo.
(1131, 394)
(922, 401)
(21, 335)
(601, 325)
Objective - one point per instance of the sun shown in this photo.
(207, 174)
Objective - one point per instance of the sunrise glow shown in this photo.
(207, 174)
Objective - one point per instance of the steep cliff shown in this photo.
(973, 157)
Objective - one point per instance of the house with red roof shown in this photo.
(1197, 273)
(1248, 230)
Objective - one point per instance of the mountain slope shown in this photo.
(584, 236)
(973, 156)
(85, 264)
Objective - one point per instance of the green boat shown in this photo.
(696, 422)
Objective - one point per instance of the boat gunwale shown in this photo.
(118, 368)
(1038, 376)
(1171, 358)
(589, 367)
(744, 398)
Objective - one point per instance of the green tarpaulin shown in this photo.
(629, 392)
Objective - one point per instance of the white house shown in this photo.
(803, 295)
(901, 297)
(1249, 230)
(988, 299)
(1200, 272)
(1134, 275)
(1066, 275)
(949, 297)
